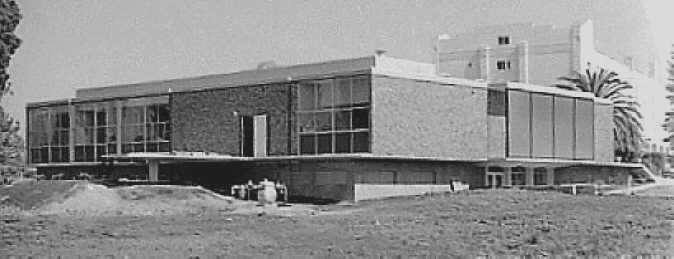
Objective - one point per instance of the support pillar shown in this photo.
(550, 179)
(153, 170)
(529, 176)
(508, 172)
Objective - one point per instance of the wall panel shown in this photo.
(519, 131)
(542, 126)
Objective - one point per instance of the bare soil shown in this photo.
(501, 222)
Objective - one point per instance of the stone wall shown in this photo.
(427, 119)
(210, 120)
(592, 174)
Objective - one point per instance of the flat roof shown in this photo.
(375, 65)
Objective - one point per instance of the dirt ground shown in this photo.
(501, 222)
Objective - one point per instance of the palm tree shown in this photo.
(605, 84)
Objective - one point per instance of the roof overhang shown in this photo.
(554, 163)
(173, 157)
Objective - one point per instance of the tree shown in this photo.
(11, 143)
(669, 115)
(627, 129)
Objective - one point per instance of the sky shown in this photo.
(71, 44)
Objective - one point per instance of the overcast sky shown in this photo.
(70, 44)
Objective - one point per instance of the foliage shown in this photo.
(627, 129)
(655, 161)
(669, 116)
(11, 142)
(9, 42)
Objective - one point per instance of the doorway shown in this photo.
(254, 136)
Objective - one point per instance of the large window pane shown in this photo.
(361, 142)
(541, 125)
(564, 127)
(342, 142)
(361, 118)
(342, 120)
(323, 121)
(324, 142)
(325, 94)
(360, 91)
(308, 144)
(496, 102)
(334, 108)
(519, 134)
(584, 129)
(307, 96)
(306, 122)
(342, 92)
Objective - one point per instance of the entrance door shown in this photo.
(495, 180)
(254, 135)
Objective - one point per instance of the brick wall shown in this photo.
(426, 119)
(206, 120)
(591, 174)
(603, 132)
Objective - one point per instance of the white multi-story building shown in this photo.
(539, 54)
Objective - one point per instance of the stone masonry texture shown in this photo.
(427, 119)
(209, 120)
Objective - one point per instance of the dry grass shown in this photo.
(503, 222)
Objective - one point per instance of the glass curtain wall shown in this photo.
(145, 128)
(334, 115)
(146, 125)
(95, 131)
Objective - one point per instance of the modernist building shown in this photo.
(343, 130)
(539, 54)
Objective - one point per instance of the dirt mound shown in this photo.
(98, 200)
(86, 199)
(29, 195)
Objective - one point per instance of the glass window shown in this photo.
(563, 123)
(496, 103)
(324, 142)
(342, 142)
(342, 109)
(584, 118)
(361, 142)
(517, 179)
(306, 122)
(342, 120)
(307, 96)
(361, 118)
(323, 121)
(308, 144)
(519, 119)
(342, 92)
(542, 126)
(360, 91)
(325, 94)
(540, 176)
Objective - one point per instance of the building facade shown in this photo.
(340, 130)
(539, 54)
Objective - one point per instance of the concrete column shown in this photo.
(508, 176)
(153, 170)
(71, 131)
(118, 107)
(529, 176)
(523, 61)
(485, 64)
(550, 180)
